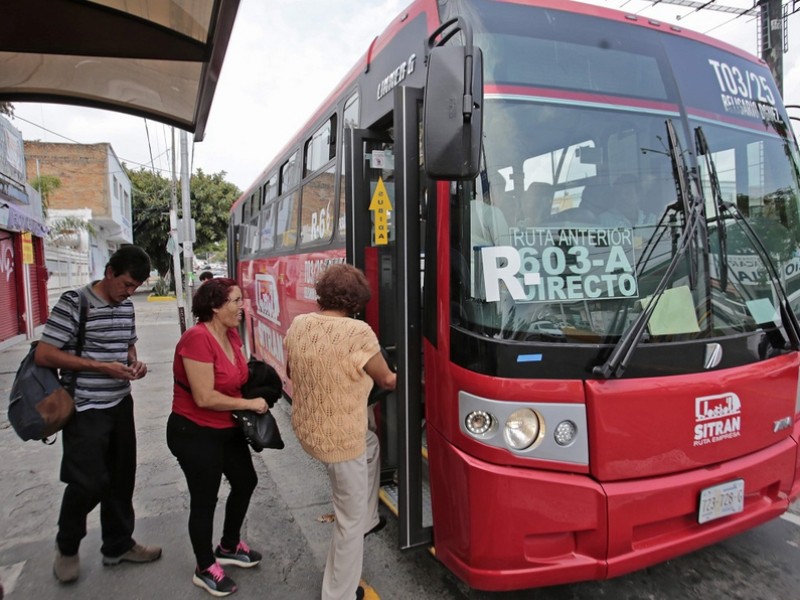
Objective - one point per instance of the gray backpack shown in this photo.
(39, 406)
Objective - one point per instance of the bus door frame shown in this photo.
(408, 395)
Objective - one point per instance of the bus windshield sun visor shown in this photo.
(692, 208)
(788, 318)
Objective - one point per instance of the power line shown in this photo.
(15, 117)
(122, 158)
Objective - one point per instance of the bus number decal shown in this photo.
(321, 225)
(562, 264)
(744, 94)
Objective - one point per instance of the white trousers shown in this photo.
(354, 487)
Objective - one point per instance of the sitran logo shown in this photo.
(717, 418)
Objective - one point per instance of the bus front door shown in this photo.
(383, 240)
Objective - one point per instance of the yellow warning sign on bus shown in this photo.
(380, 205)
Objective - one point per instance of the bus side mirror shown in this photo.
(453, 116)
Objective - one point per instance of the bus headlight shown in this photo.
(478, 422)
(565, 433)
(523, 427)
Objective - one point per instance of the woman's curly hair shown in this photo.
(343, 287)
(210, 295)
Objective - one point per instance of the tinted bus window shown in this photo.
(321, 148)
(268, 227)
(249, 236)
(566, 49)
(316, 221)
(351, 112)
(286, 229)
(289, 175)
(271, 189)
(349, 121)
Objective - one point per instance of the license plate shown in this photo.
(721, 500)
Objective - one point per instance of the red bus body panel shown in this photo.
(276, 290)
(493, 533)
(504, 522)
(657, 426)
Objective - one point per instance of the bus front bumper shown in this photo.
(505, 528)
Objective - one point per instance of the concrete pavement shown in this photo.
(30, 497)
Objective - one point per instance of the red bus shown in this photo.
(582, 230)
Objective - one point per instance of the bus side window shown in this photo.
(271, 188)
(286, 229)
(268, 227)
(316, 220)
(321, 147)
(349, 120)
(289, 175)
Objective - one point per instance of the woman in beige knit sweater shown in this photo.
(333, 360)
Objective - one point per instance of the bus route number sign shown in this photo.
(721, 501)
(558, 264)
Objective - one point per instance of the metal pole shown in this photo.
(173, 232)
(771, 50)
(186, 215)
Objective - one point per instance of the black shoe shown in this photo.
(214, 581)
(243, 556)
(359, 593)
(381, 524)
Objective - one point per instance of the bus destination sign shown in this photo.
(557, 264)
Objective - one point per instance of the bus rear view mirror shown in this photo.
(453, 116)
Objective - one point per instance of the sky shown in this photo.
(283, 59)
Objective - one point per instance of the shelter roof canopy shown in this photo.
(158, 59)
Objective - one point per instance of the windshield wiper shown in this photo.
(788, 318)
(722, 229)
(692, 210)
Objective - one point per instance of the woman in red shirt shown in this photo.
(209, 369)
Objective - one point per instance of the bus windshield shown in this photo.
(576, 214)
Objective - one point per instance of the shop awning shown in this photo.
(157, 59)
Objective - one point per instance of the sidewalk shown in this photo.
(280, 522)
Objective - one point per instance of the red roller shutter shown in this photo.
(9, 314)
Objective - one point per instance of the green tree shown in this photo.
(150, 207)
(45, 185)
(6, 108)
(211, 200)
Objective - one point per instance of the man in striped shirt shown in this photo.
(99, 442)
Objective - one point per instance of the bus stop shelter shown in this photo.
(157, 59)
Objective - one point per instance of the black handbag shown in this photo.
(261, 431)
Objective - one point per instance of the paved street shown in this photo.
(763, 564)
(282, 521)
(31, 494)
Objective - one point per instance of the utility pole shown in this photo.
(174, 243)
(771, 37)
(186, 216)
